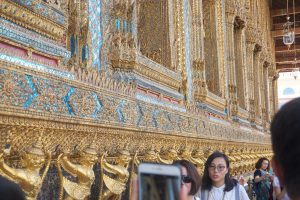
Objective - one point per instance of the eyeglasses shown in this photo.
(219, 168)
(186, 179)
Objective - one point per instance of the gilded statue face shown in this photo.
(124, 159)
(186, 153)
(33, 161)
(151, 156)
(88, 159)
(172, 154)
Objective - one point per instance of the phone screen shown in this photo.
(159, 187)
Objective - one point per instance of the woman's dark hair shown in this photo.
(10, 190)
(259, 163)
(285, 129)
(207, 182)
(192, 173)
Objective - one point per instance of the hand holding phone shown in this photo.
(159, 182)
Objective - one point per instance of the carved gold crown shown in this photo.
(36, 148)
(125, 150)
(91, 149)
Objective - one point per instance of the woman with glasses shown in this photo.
(216, 181)
(190, 180)
(262, 179)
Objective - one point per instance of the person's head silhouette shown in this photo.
(10, 190)
(285, 133)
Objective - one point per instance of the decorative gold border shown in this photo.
(26, 18)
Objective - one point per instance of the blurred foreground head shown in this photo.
(10, 190)
(285, 133)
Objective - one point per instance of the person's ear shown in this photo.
(277, 169)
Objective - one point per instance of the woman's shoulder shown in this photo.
(257, 173)
(242, 192)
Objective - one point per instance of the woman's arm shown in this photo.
(278, 193)
(259, 178)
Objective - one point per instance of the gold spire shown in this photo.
(92, 148)
(36, 148)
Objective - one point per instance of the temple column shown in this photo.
(256, 87)
(232, 92)
(262, 89)
(180, 44)
(275, 92)
(220, 28)
(271, 77)
(249, 54)
(199, 81)
(239, 52)
(271, 97)
(265, 92)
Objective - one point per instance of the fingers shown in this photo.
(134, 189)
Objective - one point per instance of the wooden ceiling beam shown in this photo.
(285, 61)
(282, 49)
(279, 33)
(282, 12)
(287, 67)
(279, 26)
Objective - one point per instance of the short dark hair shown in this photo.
(191, 172)
(285, 134)
(260, 161)
(207, 182)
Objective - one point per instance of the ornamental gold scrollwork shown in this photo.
(83, 171)
(195, 157)
(169, 155)
(28, 176)
(151, 155)
(24, 17)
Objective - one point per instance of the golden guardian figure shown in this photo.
(28, 176)
(114, 176)
(83, 171)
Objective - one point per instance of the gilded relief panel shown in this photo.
(153, 31)
(211, 47)
(239, 61)
(93, 119)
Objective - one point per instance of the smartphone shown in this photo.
(159, 182)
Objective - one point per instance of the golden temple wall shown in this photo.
(101, 86)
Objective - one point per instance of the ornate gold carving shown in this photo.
(24, 17)
(166, 49)
(83, 171)
(28, 176)
(115, 165)
(169, 155)
(196, 157)
(199, 83)
(116, 184)
(212, 29)
(153, 31)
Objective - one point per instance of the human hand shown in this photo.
(134, 195)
